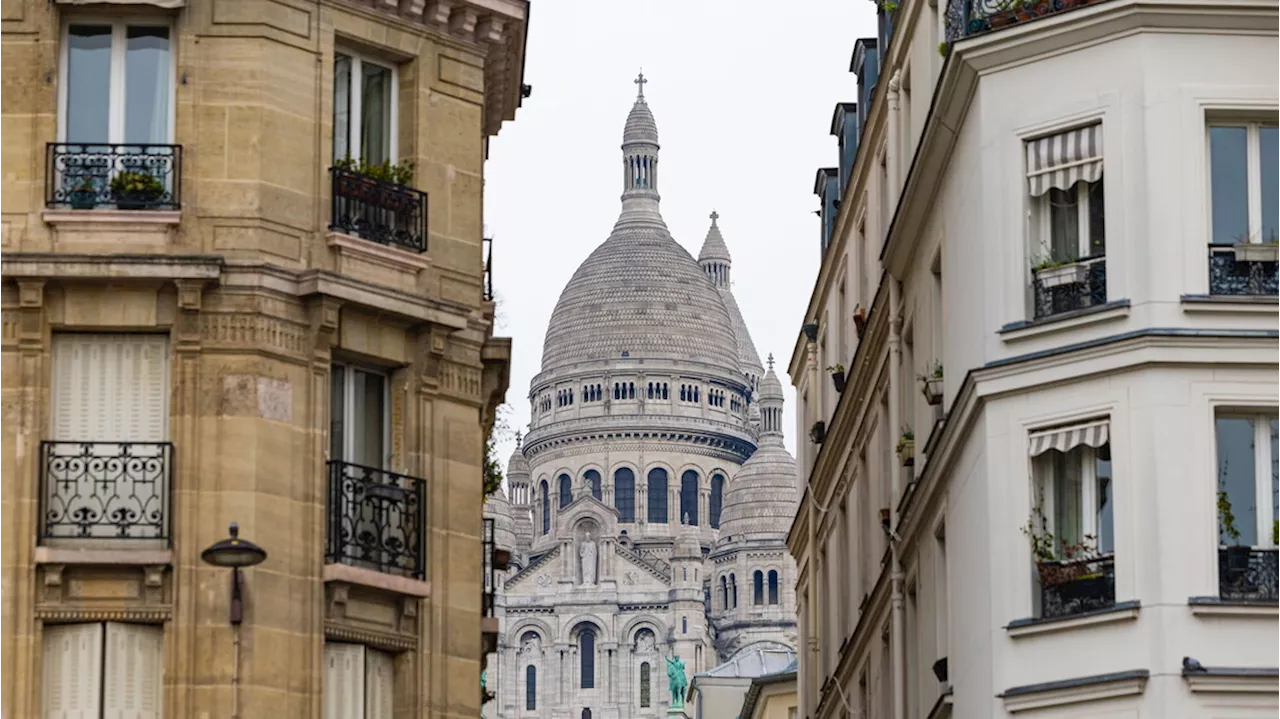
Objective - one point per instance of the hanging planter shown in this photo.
(931, 384)
(906, 448)
(810, 331)
(837, 377)
(859, 320)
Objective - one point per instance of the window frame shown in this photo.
(1043, 212)
(348, 396)
(355, 122)
(1045, 478)
(1262, 460)
(1253, 171)
(116, 93)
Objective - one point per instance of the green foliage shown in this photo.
(1047, 548)
(943, 47)
(492, 463)
(933, 371)
(908, 438)
(1050, 259)
(1227, 518)
(837, 367)
(889, 5)
(137, 184)
(400, 174)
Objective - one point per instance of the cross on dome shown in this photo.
(714, 216)
(770, 360)
(640, 81)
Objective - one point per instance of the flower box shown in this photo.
(1071, 274)
(932, 390)
(1255, 252)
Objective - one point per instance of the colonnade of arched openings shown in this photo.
(765, 589)
(657, 510)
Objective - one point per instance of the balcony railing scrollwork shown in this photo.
(1077, 286)
(1248, 574)
(966, 18)
(488, 580)
(377, 210)
(1243, 270)
(1076, 586)
(83, 176)
(105, 490)
(376, 519)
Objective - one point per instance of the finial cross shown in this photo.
(640, 81)
(770, 360)
(714, 216)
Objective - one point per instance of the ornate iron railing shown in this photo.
(1246, 574)
(376, 519)
(1077, 586)
(80, 176)
(1239, 274)
(379, 211)
(487, 581)
(966, 18)
(488, 269)
(105, 490)
(1090, 290)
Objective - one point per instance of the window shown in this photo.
(358, 416)
(644, 684)
(566, 490)
(773, 586)
(689, 497)
(733, 590)
(1243, 182)
(624, 494)
(103, 670)
(684, 625)
(757, 588)
(587, 653)
(716, 502)
(658, 496)
(1248, 480)
(117, 84)
(1074, 495)
(724, 592)
(359, 682)
(593, 477)
(545, 491)
(530, 688)
(364, 109)
(1064, 173)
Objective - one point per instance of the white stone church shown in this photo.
(647, 508)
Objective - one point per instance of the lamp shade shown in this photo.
(233, 551)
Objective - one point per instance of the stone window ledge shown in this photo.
(1063, 321)
(1233, 679)
(1215, 607)
(117, 557)
(374, 579)
(392, 258)
(1121, 612)
(1074, 691)
(1241, 304)
(126, 217)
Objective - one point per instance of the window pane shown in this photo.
(1066, 498)
(658, 496)
(367, 414)
(375, 120)
(88, 83)
(1228, 176)
(1270, 184)
(1097, 220)
(341, 107)
(1105, 517)
(624, 494)
(689, 498)
(146, 85)
(337, 406)
(587, 650)
(1236, 472)
(565, 490)
(1064, 225)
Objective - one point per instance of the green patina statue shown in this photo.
(676, 681)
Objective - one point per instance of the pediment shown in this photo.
(540, 574)
(586, 507)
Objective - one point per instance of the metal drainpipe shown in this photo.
(897, 631)
(815, 602)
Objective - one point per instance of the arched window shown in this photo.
(757, 588)
(594, 478)
(716, 501)
(773, 586)
(616, 389)
(587, 653)
(724, 592)
(530, 688)
(566, 490)
(644, 684)
(586, 713)
(631, 389)
(689, 497)
(658, 496)
(684, 625)
(546, 507)
(624, 494)
(733, 589)
(682, 393)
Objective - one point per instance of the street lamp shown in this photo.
(235, 553)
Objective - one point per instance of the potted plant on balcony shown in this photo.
(1248, 251)
(859, 320)
(1065, 568)
(389, 190)
(818, 432)
(810, 330)
(1237, 553)
(931, 383)
(906, 449)
(134, 190)
(837, 376)
(1057, 272)
(85, 194)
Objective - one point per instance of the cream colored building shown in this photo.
(772, 696)
(1072, 208)
(206, 322)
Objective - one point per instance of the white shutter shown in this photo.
(72, 671)
(379, 683)
(343, 681)
(110, 387)
(134, 671)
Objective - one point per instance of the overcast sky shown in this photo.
(743, 94)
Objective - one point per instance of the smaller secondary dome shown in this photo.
(761, 501)
(713, 247)
(497, 508)
(640, 127)
(517, 465)
(770, 386)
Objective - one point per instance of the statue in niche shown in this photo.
(532, 644)
(644, 641)
(587, 555)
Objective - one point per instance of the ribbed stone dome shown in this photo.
(640, 127)
(761, 500)
(497, 508)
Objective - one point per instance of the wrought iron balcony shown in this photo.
(83, 176)
(966, 18)
(488, 269)
(1077, 286)
(1077, 586)
(376, 519)
(105, 490)
(377, 210)
(1243, 270)
(1247, 574)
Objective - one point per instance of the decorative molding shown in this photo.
(254, 332)
(1215, 607)
(1233, 680)
(378, 640)
(1075, 691)
(345, 574)
(79, 266)
(140, 615)
(1121, 612)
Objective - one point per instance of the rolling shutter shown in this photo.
(72, 671)
(110, 387)
(379, 673)
(134, 676)
(343, 681)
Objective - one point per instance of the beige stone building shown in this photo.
(245, 281)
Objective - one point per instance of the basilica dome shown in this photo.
(762, 497)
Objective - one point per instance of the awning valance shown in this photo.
(1064, 439)
(1064, 159)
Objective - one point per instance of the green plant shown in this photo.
(889, 5)
(943, 47)
(1045, 547)
(1050, 258)
(398, 173)
(933, 371)
(137, 184)
(1275, 532)
(907, 439)
(837, 367)
(492, 466)
(1227, 518)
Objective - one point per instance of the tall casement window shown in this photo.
(593, 478)
(689, 497)
(624, 494)
(1064, 177)
(103, 670)
(1243, 182)
(716, 502)
(658, 496)
(358, 416)
(724, 592)
(566, 490)
(530, 688)
(364, 108)
(1248, 481)
(757, 587)
(773, 586)
(587, 655)
(545, 501)
(644, 685)
(359, 683)
(117, 83)
(1072, 519)
(733, 591)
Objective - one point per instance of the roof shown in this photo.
(837, 116)
(753, 694)
(754, 660)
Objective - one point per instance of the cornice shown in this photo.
(718, 439)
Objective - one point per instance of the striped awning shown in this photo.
(1065, 439)
(1064, 159)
